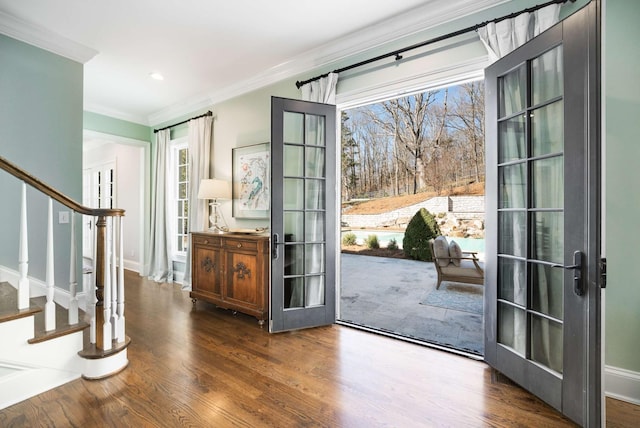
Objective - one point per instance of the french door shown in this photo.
(542, 298)
(303, 212)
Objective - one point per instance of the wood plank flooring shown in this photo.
(209, 368)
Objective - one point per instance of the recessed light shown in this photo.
(156, 76)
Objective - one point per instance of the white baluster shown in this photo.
(23, 254)
(114, 278)
(73, 277)
(50, 306)
(106, 326)
(91, 305)
(121, 323)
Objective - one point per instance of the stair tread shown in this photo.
(9, 304)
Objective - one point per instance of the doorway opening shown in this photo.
(425, 150)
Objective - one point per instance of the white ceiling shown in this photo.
(208, 50)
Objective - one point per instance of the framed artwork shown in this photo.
(251, 171)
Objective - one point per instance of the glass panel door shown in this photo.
(303, 214)
(542, 209)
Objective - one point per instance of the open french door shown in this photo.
(303, 212)
(542, 297)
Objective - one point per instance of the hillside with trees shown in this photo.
(427, 142)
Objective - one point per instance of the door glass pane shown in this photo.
(315, 290)
(314, 231)
(547, 236)
(513, 186)
(548, 290)
(513, 233)
(547, 133)
(293, 160)
(315, 130)
(512, 327)
(546, 76)
(293, 128)
(293, 292)
(513, 91)
(512, 139)
(294, 257)
(293, 193)
(315, 258)
(548, 182)
(315, 162)
(315, 195)
(546, 342)
(512, 277)
(293, 226)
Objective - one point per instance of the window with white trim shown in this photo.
(178, 199)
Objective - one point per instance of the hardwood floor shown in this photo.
(209, 368)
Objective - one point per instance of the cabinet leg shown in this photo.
(194, 301)
(260, 323)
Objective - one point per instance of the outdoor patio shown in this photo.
(399, 296)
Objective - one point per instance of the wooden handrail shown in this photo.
(21, 174)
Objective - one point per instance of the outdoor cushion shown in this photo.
(441, 251)
(466, 268)
(455, 252)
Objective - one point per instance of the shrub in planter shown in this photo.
(422, 227)
(372, 241)
(349, 239)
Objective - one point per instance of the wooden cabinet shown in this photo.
(231, 271)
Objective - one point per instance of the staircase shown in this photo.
(45, 339)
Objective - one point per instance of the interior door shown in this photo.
(98, 191)
(303, 212)
(542, 297)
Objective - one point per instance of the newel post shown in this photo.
(103, 324)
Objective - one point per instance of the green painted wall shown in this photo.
(41, 132)
(109, 125)
(622, 110)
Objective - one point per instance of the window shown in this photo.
(178, 199)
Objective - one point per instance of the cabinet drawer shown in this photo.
(205, 240)
(240, 244)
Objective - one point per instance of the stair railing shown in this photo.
(106, 306)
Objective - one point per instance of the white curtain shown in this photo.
(322, 90)
(158, 265)
(507, 35)
(199, 139)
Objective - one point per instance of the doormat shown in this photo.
(456, 296)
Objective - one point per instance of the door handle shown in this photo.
(274, 246)
(577, 272)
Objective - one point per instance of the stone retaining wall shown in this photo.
(463, 215)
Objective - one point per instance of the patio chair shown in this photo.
(452, 264)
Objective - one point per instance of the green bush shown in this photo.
(393, 244)
(372, 241)
(349, 239)
(422, 227)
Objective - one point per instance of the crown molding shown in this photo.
(116, 114)
(44, 39)
(422, 18)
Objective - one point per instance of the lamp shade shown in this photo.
(214, 189)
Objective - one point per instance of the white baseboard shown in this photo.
(622, 384)
(38, 288)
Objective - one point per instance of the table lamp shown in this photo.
(215, 190)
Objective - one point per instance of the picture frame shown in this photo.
(251, 175)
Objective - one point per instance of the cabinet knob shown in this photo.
(206, 241)
(239, 245)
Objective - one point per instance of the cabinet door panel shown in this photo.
(207, 270)
(242, 274)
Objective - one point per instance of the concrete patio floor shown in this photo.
(385, 294)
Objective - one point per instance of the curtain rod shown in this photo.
(397, 53)
(209, 113)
